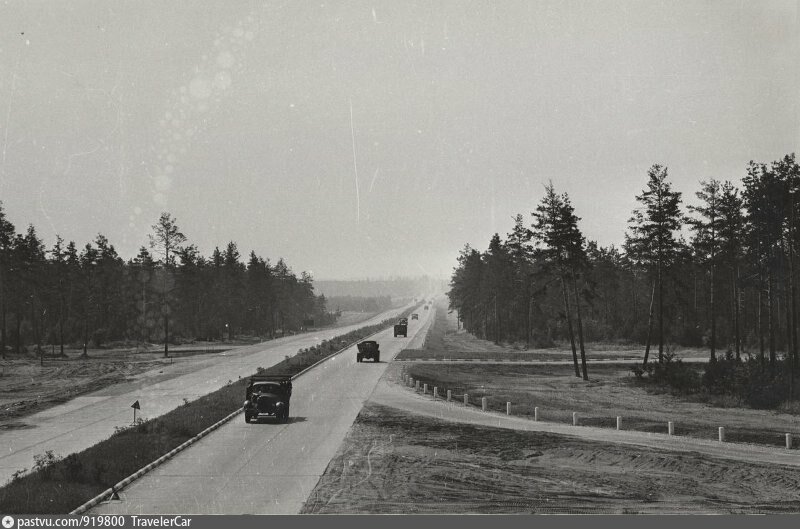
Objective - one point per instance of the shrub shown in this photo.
(44, 463)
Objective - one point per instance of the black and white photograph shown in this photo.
(389, 257)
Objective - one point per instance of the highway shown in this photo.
(269, 468)
(88, 419)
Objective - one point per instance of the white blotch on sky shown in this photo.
(212, 80)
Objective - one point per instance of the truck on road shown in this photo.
(368, 349)
(268, 396)
(401, 328)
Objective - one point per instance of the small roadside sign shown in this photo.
(135, 407)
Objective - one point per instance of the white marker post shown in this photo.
(721, 434)
(670, 428)
(483, 403)
(435, 392)
(449, 395)
(536, 413)
(619, 422)
(424, 389)
(466, 399)
(508, 408)
(574, 418)
(788, 441)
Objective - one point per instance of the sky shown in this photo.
(374, 139)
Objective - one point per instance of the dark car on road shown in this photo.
(415, 316)
(368, 349)
(268, 396)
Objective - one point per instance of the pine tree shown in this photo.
(7, 235)
(730, 234)
(560, 248)
(167, 239)
(652, 235)
(707, 242)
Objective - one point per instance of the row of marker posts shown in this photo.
(485, 406)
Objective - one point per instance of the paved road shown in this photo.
(86, 420)
(269, 468)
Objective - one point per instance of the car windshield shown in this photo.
(267, 388)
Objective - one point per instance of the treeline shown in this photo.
(359, 304)
(168, 292)
(720, 274)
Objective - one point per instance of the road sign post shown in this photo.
(135, 407)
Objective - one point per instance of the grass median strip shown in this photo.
(57, 485)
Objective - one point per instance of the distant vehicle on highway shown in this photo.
(401, 328)
(403, 321)
(415, 316)
(426, 307)
(268, 396)
(368, 349)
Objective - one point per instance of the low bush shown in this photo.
(722, 379)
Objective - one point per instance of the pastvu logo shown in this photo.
(8, 522)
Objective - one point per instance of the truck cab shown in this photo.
(401, 328)
(268, 396)
(368, 349)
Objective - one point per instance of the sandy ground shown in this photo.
(408, 453)
(27, 387)
(395, 462)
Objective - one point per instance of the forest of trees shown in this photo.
(66, 296)
(720, 274)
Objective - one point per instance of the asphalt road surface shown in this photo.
(86, 420)
(269, 468)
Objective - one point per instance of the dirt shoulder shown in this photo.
(397, 462)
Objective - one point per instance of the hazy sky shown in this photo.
(376, 138)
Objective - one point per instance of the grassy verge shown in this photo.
(612, 392)
(58, 485)
(503, 356)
